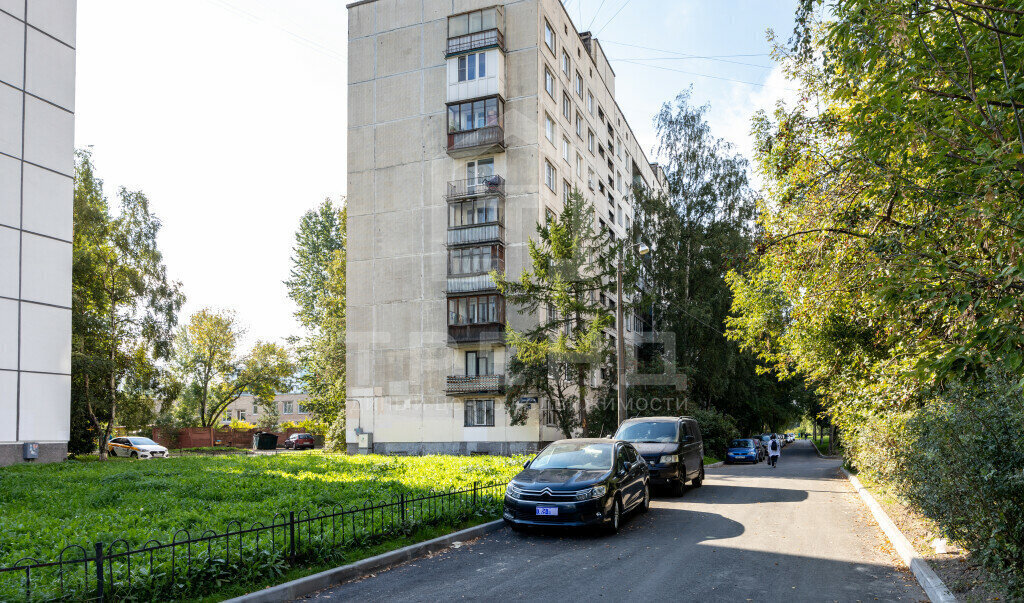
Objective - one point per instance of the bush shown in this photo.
(958, 459)
(718, 430)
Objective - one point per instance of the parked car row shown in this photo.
(596, 481)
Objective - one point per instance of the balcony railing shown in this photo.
(473, 187)
(471, 140)
(478, 233)
(459, 385)
(481, 333)
(471, 283)
(474, 41)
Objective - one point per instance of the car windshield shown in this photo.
(142, 442)
(575, 455)
(741, 444)
(649, 431)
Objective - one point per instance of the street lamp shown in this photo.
(620, 343)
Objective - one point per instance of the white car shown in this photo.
(136, 447)
(790, 438)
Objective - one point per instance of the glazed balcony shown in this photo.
(476, 187)
(475, 30)
(468, 385)
(472, 283)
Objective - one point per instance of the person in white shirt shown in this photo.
(774, 450)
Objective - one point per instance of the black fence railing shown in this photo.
(474, 41)
(481, 185)
(193, 565)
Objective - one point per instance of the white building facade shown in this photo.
(37, 103)
(470, 122)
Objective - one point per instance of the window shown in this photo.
(473, 22)
(618, 182)
(600, 113)
(549, 128)
(479, 169)
(474, 115)
(472, 66)
(590, 102)
(549, 82)
(302, 409)
(286, 407)
(474, 212)
(475, 260)
(579, 125)
(479, 413)
(590, 141)
(566, 64)
(626, 218)
(618, 215)
(565, 149)
(579, 165)
(549, 175)
(590, 178)
(255, 408)
(241, 415)
(579, 85)
(566, 191)
(476, 309)
(547, 413)
(479, 362)
(618, 147)
(566, 107)
(549, 36)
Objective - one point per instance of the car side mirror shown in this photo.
(626, 466)
(526, 465)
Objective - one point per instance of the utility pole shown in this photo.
(620, 344)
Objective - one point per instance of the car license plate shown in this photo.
(547, 510)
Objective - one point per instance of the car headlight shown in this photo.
(595, 492)
(668, 458)
(512, 491)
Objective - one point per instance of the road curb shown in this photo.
(310, 584)
(713, 465)
(823, 456)
(926, 576)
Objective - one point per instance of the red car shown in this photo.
(299, 441)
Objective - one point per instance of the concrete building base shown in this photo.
(49, 452)
(456, 448)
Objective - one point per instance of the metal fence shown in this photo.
(190, 565)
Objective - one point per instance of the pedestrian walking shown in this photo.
(774, 450)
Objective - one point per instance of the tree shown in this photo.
(215, 376)
(124, 307)
(317, 285)
(700, 228)
(571, 270)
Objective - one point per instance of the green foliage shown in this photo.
(959, 459)
(717, 429)
(890, 265)
(47, 507)
(698, 231)
(571, 268)
(215, 376)
(123, 308)
(317, 285)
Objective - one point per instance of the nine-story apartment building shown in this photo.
(469, 123)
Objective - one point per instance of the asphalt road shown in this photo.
(751, 533)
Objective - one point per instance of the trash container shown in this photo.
(264, 441)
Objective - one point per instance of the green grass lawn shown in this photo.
(44, 508)
(709, 460)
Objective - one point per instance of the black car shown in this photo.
(672, 447)
(583, 482)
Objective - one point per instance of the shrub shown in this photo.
(959, 459)
(717, 428)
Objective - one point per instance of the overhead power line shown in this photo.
(698, 58)
(594, 18)
(606, 23)
(685, 54)
(714, 77)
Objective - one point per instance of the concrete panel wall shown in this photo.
(37, 103)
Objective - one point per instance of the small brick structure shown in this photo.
(208, 437)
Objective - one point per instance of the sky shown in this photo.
(231, 115)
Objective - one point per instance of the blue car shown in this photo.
(742, 451)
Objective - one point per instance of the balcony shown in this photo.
(481, 141)
(478, 333)
(492, 232)
(471, 283)
(466, 385)
(492, 38)
(476, 187)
